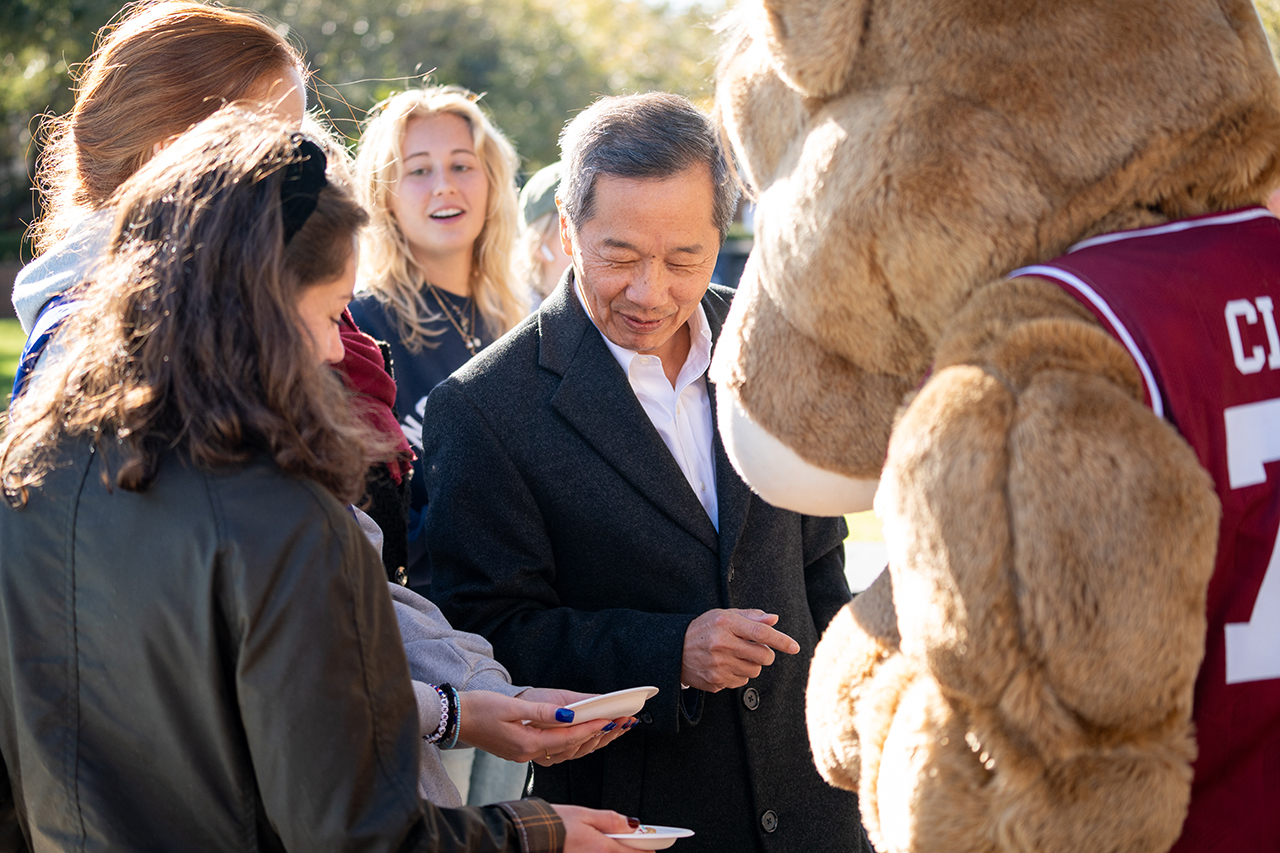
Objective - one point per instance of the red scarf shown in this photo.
(364, 373)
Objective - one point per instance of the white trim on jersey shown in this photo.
(1074, 282)
(1175, 227)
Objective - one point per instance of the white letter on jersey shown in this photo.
(1269, 320)
(1236, 309)
(1253, 439)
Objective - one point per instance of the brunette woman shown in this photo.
(196, 646)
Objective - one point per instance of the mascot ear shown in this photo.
(758, 111)
(812, 41)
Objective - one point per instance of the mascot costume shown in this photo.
(1012, 277)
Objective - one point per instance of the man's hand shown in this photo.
(727, 648)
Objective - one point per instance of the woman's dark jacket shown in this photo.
(211, 664)
(416, 373)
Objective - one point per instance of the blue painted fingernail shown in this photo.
(564, 715)
(609, 727)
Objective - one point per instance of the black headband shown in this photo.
(303, 179)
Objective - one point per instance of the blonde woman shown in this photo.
(437, 283)
(436, 279)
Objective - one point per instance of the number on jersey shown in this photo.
(1253, 439)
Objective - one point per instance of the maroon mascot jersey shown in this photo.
(1195, 304)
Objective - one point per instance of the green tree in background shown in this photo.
(536, 61)
(39, 39)
(1269, 12)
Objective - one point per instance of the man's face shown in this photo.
(645, 258)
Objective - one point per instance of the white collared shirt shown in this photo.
(681, 415)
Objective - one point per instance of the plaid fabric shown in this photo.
(540, 828)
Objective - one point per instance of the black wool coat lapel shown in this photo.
(596, 399)
(733, 496)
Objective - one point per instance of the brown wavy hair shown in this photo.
(188, 335)
(160, 68)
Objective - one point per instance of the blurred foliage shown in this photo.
(11, 342)
(39, 40)
(1269, 12)
(537, 61)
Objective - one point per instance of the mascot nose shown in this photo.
(778, 474)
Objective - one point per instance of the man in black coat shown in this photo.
(583, 516)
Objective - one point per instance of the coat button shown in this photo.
(769, 821)
(751, 698)
(646, 718)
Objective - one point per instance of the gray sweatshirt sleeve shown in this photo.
(439, 654)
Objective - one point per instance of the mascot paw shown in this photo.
(861, 638)
(924, 787)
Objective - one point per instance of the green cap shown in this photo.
(538, 196)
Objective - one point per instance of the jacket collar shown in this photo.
(597, 401)
(732, 492)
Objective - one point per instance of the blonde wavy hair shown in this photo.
(387, 266)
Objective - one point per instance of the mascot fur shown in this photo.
(1027, 675)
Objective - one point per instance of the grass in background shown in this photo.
(864, 550)
(11, 341)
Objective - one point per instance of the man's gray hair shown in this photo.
(655, 135)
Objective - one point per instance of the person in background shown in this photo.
(541, 259)
(436, 280)
(436, 284)
(583, 516)
(236, 673)
(161, 68)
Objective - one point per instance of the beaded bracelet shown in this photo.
(435, 736)
(454, 725)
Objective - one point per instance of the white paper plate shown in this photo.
(611, 706)
(651, 837)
